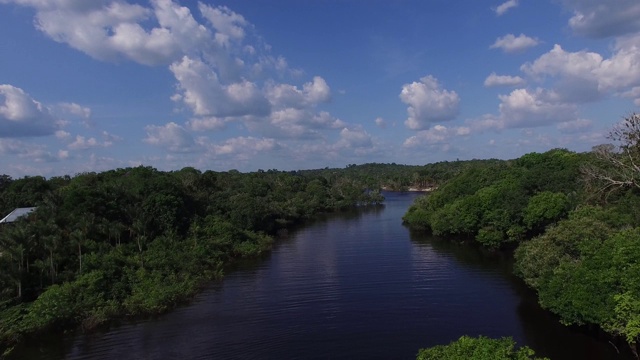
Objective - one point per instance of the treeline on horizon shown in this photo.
(573, 219)
(137, 241)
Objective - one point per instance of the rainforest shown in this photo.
(137, 242)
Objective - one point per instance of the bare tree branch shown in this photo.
(618, 164)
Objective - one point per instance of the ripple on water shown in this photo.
(356, 285)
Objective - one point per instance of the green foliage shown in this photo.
(137, 241)
(480, 348)
(587, 271)
(626, 319)
(537, 259)
(545, 208)
(501, 202)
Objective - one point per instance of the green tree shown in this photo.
(480, 348)
(545, 208)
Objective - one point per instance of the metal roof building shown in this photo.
(16, 214)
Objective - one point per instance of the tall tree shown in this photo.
(619, 165)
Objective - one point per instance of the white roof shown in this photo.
(15, 214)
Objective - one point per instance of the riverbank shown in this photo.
(410, 189)
(352, 277)
(138, 242)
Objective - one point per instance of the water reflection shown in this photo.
(540, 329)
(350, 285)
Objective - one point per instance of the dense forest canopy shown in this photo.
(138, 241)
(574, 218)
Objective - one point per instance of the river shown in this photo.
(353, 285)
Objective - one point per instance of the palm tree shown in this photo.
(13, 244)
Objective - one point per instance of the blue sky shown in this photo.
(247, 85)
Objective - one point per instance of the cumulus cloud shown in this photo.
(298, 123)
(599, 19)
(438, 134)
(510, 43)
(428, 102)
(634, 93)
(82, 143)
(524, 108)
(560, 62)
(21, 115)
(311, 94)
(380, 123)
(503, 80)
(229, 25)
(506, 6)
(62, 135)
(586, 76)
(112, 30)
(200, 89)
(76, 109)
(172, 137)
(222, 69)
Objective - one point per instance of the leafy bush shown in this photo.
(480, 348)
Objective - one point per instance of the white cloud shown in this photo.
(62, 135)
(105, 31)
(622, 70)
(634, 93)
(290, 121)
(587, 76)
(503, 80)
(110, 30)
(11, 146)
(317, 91)
(597, 18)
(230, 25)
(438, 134)
(324, 120)
(510, 43)
(207, 123)
(30, 151)
(354, 138)
(506, 6)
(524, 108)
(21, 115)
(109, 139)
(171, 136)
(299, 123)
(217, 63)
(82, 143)
(380, 123)
(575, 126)
(75, 109)
(201, 90)
(559, 62)
(428, 103)
(285, 95)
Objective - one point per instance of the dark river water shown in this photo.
(357, 285)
